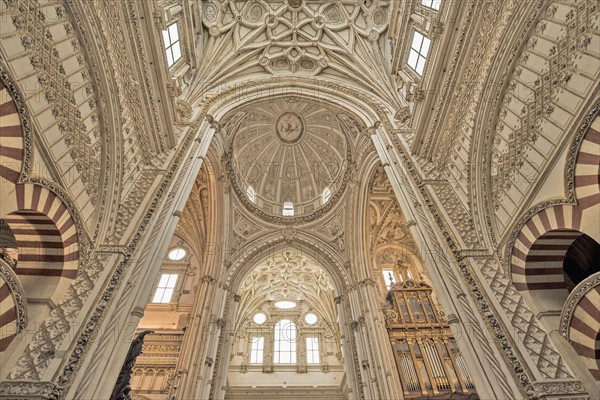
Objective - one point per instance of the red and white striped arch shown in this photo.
(8, 315)
(584, 330)
(541, 245)
(540, 248)
(11, 138)
(45, 232)
(587, 168)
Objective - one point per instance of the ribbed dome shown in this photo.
(288, 150)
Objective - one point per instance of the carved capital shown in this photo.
(403, 115)
(138, 312)
(216, 125)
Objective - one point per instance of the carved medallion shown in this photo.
(289, 127)
(295, 3)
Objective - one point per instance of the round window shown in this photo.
(260, 318)
(177, 254)
(310, 318)
(285, 304)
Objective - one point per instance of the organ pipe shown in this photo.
(428, 360)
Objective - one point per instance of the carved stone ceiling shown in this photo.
(289, 150)
(192, 226)
(288, 275)
(389, 236)
(343, 39)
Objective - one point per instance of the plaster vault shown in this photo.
(420, 176)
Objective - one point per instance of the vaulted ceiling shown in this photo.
(288, 275)
(343, 40)
(289, 149)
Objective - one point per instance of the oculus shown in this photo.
(310, 319)
(177, 254)
(285, 304)
(259, 318)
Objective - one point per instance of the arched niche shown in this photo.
(284, 345)
(240, 308)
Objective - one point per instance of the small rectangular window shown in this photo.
(284, 346)
(250, 193)
(433, 4)
(418, 52)
(165, 288)
(312, 350)
(326, 195)
(389, 277)
(172, 44)
(257, 348)
(288, 209)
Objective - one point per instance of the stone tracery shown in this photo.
(341, 38)
(148, 190)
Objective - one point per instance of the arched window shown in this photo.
(250, 194)
(326, 195)
(288, 209)
(285, 342)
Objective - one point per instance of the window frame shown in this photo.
(168, 48)
(251, 194)
(278, 338)
(430, 7)
(385, 273)
(257, 353)
(418, 53)
(165, 288)
(312, 351)
(288, 209)
(326, 195)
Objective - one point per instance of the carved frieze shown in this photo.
(63, 87)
